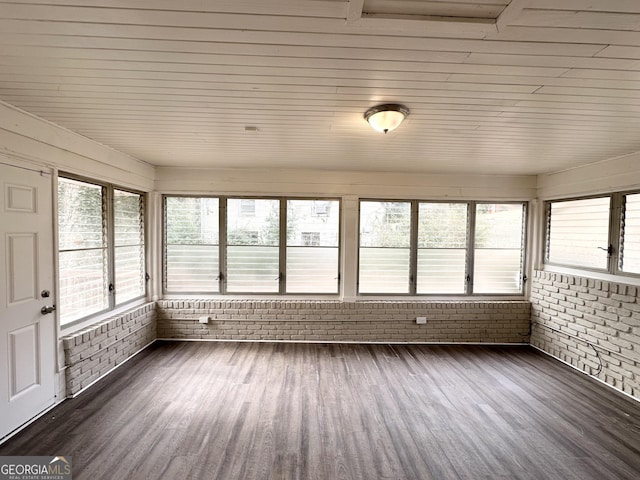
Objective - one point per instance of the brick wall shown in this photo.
(374, 321)
(590, 324)
(95, 351)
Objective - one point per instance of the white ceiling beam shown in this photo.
(354, 12)
(511, 12)
(431, 26)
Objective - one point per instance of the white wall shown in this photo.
(612, 175)
(320, 182)
(25, 136)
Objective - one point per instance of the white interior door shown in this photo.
(27, 335)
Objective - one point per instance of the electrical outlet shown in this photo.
(421, 320)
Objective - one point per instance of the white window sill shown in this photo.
(100, 317)
(607, 277)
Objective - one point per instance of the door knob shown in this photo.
(45, 310)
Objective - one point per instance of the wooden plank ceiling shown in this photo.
(494, 86)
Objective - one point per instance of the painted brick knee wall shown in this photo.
(590, 324)
(95, 351)
(375, 321)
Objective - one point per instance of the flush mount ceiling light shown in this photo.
(387, 117)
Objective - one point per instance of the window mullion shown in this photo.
(282, 246)
(164, 243)
(222, 245)
(413, 249)
(523, 244)
(471, 235)
(144, 244)
(108, 215)
(616, 223)
(547, 232)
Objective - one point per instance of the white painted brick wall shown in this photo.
(379, 321)
(93, 352)
(575, 317)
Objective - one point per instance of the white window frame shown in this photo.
(222, 244)
(615, 248)
(165, 247)
(108, 220)
(470, 249)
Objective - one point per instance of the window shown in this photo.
(101, 248)
(128, 227)
(499, 248)
(312, 254)
(578, 232)
(442, 247)
(427, 248)
(82, 250)
(253, 253)
(601, 233)
(385, 241)
(191, 244)
(257, 245)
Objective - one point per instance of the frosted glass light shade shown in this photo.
(385, 118)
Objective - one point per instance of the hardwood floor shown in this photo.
(312, 411)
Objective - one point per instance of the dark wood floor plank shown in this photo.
(341, 411)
